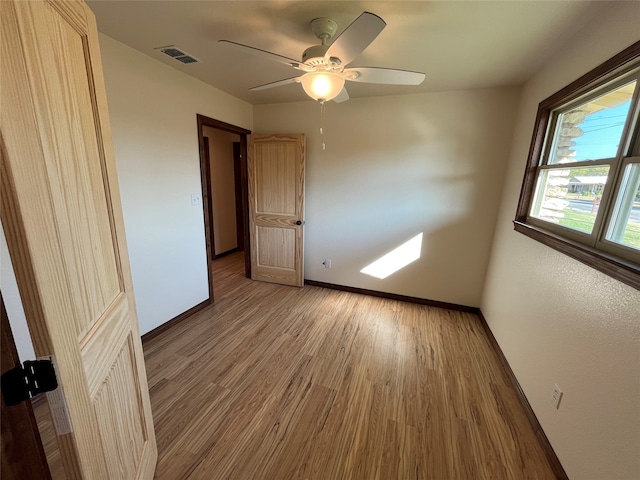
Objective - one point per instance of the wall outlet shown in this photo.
(556, 396)
(327, 263)
(196, 199)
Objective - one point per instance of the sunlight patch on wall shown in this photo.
(396, 259)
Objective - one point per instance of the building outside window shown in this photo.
(581, 192)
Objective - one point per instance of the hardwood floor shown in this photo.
(49, 439)
(276, 382)
(285, 383)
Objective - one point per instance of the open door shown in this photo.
(276, 208)
(61, 213)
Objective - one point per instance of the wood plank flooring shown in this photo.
(49, 439)
(279, 383)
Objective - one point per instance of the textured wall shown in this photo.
(559, 321)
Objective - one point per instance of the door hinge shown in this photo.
(23, 382)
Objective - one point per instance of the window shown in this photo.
(581, 191)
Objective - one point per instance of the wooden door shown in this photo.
(61, 212)
(276, 208)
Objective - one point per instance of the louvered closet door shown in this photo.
(62, 218)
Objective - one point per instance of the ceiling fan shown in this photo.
(324, 65)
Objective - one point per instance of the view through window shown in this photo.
(581, 192)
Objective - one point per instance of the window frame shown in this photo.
(593, 249)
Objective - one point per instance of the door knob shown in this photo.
(299, 222)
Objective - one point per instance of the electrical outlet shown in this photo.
(327, 263)
(196, 199)
(556, 396)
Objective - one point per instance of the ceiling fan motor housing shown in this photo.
(315, 55)
(324, 65)
(323, 28)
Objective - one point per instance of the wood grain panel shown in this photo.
(73, 160)
(276, 247)
(119, 413)
(276, 173)
(63, 222)
(104, 344)
(75, 14)
(276, 220)
(28, 218)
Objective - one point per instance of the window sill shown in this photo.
(615, 267)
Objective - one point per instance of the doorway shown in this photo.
(223, 170)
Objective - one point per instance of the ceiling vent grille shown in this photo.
(178, 54)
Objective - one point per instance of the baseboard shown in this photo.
(224, 254)
(393, 296)
(174, 321)
(552, 458)
(550, 454)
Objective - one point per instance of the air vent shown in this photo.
(178, 54)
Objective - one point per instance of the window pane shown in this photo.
(625, 224)
(570, 196)
(592, 131)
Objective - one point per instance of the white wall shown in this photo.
(153, 115)
(559, 321)
(395, 167)
(223, 190)
(13, 303)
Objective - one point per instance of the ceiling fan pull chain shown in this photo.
(324, 147)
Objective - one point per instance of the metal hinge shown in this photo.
(23, 382)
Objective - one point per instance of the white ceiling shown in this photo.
(458, 44)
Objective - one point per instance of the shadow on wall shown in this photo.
(391, 204)
(425, 263)
(405, 165)
(398, 166)
(394, 202)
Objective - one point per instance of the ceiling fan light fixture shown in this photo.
(322, 86)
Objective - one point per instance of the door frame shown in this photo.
(237, 178)
(206, 191)
(20, 434)
(207, 204)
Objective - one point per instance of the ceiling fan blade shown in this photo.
(343, 96)
(286, 81)
(261, 53)
(356, 37)
(389, 76)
